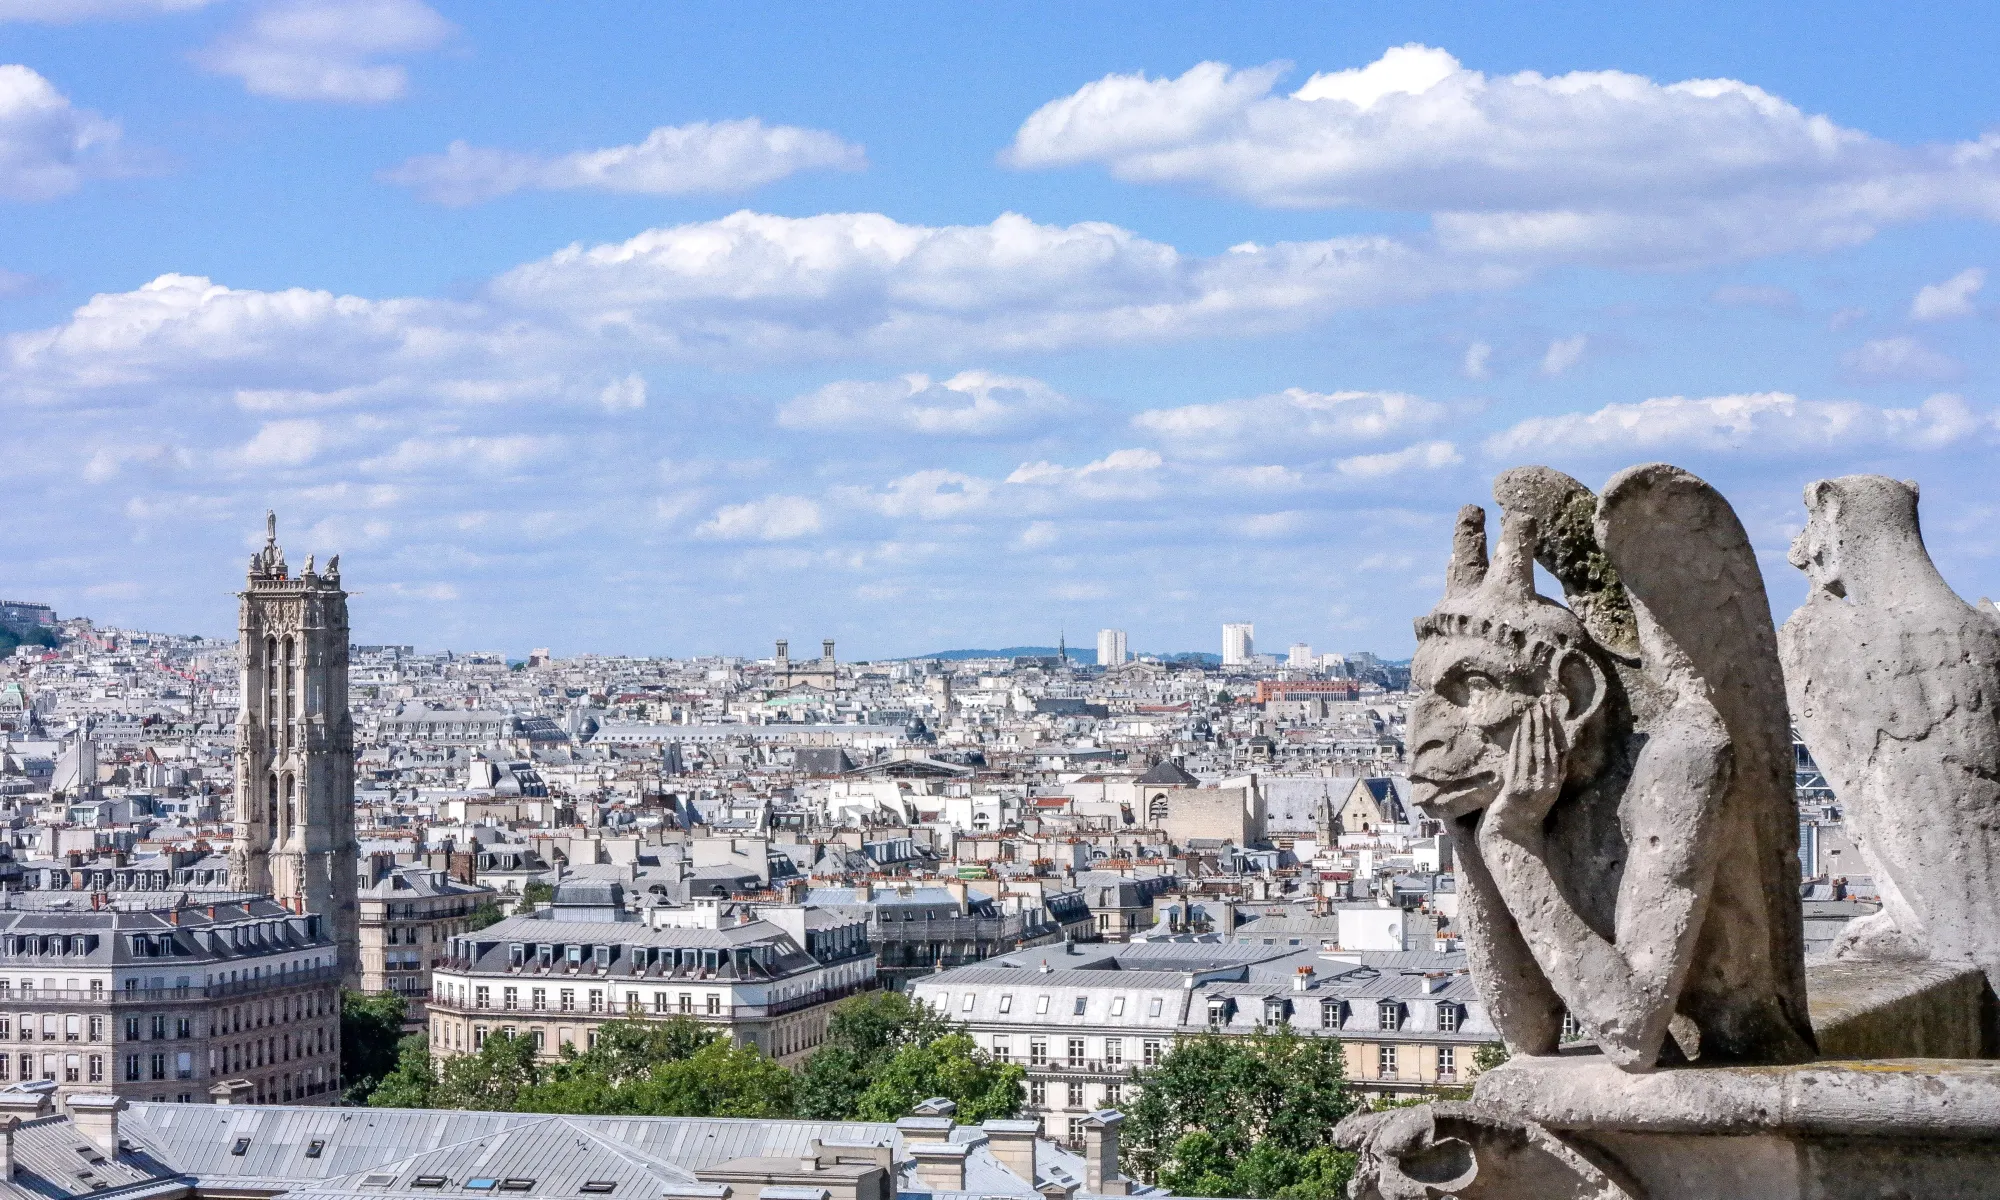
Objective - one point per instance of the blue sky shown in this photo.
(648, 328)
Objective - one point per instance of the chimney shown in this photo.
(7, 1124)
(863, 892)
(924, 1131)
(1302, 979)
(940, 1165)
(95, 1116)
(233, 1091)
(28, 1101)
(1100, 1153)
(1013, 1144)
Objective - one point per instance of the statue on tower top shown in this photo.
(270, 561)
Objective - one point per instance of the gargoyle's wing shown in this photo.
(1705, 631)
(1702, 613)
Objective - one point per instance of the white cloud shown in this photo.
(1596, 165)
(47, 146)
(1037, 534)
(1292, 420)
(1900, 358)
(1478, 363)
(283, 444)
(1425, 456)
(972, 403)
(674, 160)
(1952, 298)
(63, 12)
(1564, 353)
(1763, 423)
(502, 453)
(327, 49)
(771, 519)
(933, 494)
(624, 395)
(1115, 465)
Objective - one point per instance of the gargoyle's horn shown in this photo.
(1468, 553)
(1514, 560)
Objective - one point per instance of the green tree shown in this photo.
(492, 1078)
(410, 1085)
(669, 1069)
(862, 1035)
(952, 1066)
(1237, 1116)
(533, 896)
(487, 913)
(371, 1026)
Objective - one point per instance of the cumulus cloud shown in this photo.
(1293, 419)
(501, 453)
(1764, 423)
(1952, 298)
(624, 395)
(1599, 165)
(327, 49)
(1900, 358)
(970, 403)
(771, 519)
(65, 12)
(1425, 456)
(673, 160)
(1121, 474)
(1564, 353)
(283, 444)
(1478, 362)
(933, 494)
(48, 147)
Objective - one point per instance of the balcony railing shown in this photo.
(614, 1010)
(194, 991)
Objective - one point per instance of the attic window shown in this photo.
(429, 1181)
(480, 1185)
(599, 1186)
(516, 1185)
(378, 1181)
(241, 1148)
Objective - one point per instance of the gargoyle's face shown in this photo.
(1474, 696)
(1816, 550)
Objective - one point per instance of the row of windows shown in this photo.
(538, 1000)
(1150, 1050)
(1334, 1013)
(1075, 1097)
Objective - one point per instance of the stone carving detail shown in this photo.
(1455, 1149)
(1894, 680)
(1618, 773)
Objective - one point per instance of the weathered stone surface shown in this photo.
(1626, 834)
(1896, 1009)
(1818, 1131)
(1894, 681)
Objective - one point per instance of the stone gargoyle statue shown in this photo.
(1617, 773)
(1895, 682)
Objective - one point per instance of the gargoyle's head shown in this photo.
(1847, 521)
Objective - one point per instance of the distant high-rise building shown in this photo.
(1110, 647)
(1301, 656)
(1238, 643)
(294, 835)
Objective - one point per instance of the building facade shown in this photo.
(1239, 643)
(1084, 1019)
(555, 976)
(155, 1000)
(408, 917)
(294, 828)
(1111, 648)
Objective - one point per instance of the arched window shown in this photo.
(1157, 810)
(272, 820)
(270, 680)
(287, 811)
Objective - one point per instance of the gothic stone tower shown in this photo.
(295, 747)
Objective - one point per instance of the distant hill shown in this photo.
(1082, 656)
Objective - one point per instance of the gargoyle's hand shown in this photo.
(1535, 770)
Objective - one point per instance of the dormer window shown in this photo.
(517, 954)
(1449, 1016)
(1390, 1015)
(1333, 1014)
(1274, 1012)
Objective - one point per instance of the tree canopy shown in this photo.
(371, 1026)
(1237, 1116)
(885, 1052)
